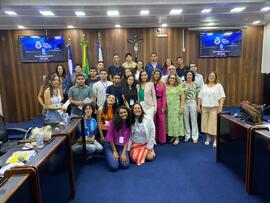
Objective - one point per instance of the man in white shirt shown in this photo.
(198, 77)
(101, 86)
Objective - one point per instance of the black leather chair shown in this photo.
(9, 137)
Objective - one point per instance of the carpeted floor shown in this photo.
(183, 173)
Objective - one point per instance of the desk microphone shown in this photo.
(22, 159)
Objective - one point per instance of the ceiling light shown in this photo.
(164, 25)
(113, 13)
(265, 9)
(237, 9)
(207, 10)
(20, 26)
(256, 22)
(176, 11)
(70, 26)
(210, 24)
(117, 26)
(80, 13)
(144, 12)
(11, 13)
(47, 13)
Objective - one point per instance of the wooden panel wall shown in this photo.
(20, 82)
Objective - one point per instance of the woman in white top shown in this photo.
(142, 140)
(211, 97)
(53, 96)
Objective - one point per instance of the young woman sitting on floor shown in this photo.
(117, 139)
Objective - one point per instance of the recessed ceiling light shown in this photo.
(164, 25)
(70, 26)
(11, 13)
(265, 9)
(238, 9)
(113, 13)
(117, 26)
(211, 24)
(206, 10)
(47, 13)
(256, 22)
(80, 13)
(144, 12)
(176, 11)
(20, 26)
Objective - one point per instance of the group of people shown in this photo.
(123, 105)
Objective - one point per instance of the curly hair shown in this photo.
(117, 120)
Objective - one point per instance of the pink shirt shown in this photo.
(120, 137)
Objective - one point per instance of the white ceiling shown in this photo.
(96, 13)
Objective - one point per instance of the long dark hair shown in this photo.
(52, 76)
(117, 121)
(106, 107)
(140, 76)
(64, 71)
(152, 77)
(136, 68)
(133, 116)
(124, 75)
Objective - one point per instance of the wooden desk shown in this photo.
(260, 163)
(22, 186)
(232, 144)
(54, 169)
(10, 189)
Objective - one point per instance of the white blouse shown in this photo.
(210, 96)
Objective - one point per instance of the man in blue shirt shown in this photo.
(152, 65)
(116, 68)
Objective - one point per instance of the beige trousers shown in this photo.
(209, 120)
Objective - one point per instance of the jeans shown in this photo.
(115, 164)
(91, 148)
(190, 111)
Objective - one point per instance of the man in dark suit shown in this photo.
(152, 65)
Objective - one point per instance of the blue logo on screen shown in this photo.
(42, 48)
(220, 44)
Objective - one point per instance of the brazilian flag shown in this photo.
(85, 64)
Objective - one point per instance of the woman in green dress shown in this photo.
(175, 107)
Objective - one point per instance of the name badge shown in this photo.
(121, 140)
(131, 102)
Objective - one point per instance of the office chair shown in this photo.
(9, 137)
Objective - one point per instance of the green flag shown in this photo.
(85, 65)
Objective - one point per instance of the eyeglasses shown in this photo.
(171, 78)
(193, 66)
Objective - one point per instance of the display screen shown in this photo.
(42, 48)
(220, 44)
